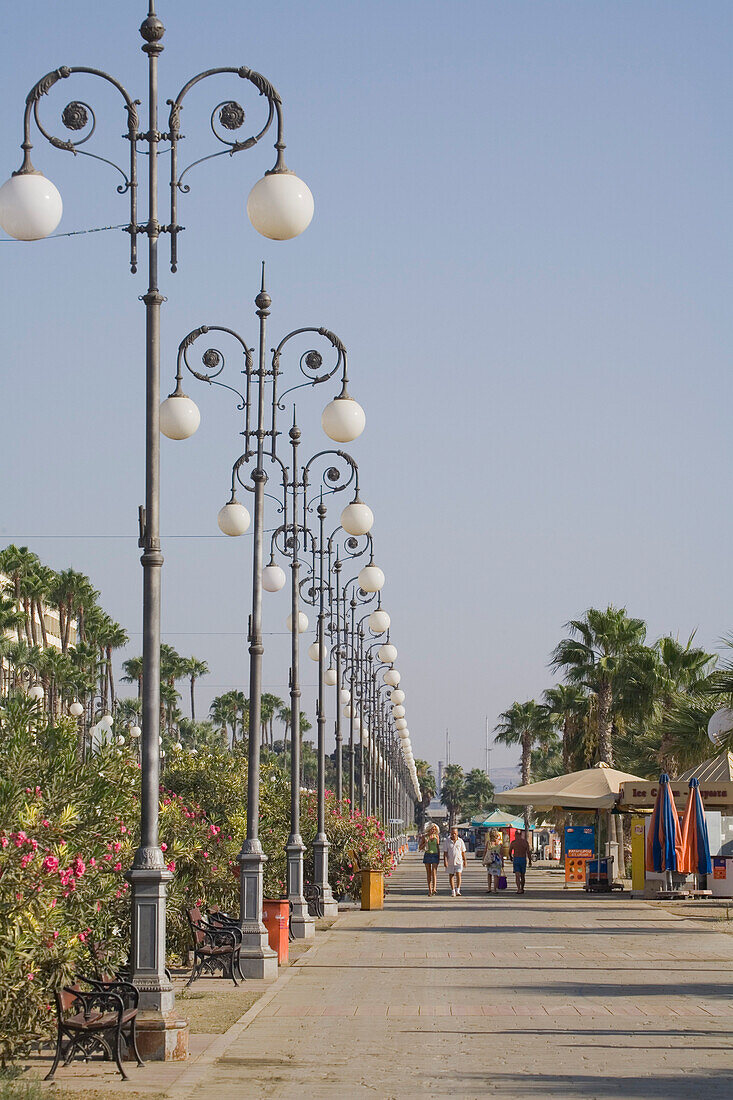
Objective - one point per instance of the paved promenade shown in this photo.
(554, 994)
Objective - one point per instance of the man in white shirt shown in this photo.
(454, 860)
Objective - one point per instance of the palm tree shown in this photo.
(681, 670)
(133, 673)
(479, 793)
(607, 656)
(453, 791)
(17, 562)
(271, 705)
(525, 724)
(194, 668)
(567, 707)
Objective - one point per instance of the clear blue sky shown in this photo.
(523, 235)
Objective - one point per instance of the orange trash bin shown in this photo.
(276, 917)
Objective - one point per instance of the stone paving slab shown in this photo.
(553, 994)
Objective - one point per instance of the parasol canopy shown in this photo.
(498, 820)
(664, 840)
(695, 843)
(592, 789)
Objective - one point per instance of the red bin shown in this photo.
(276, 917)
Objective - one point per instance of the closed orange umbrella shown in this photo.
(695, 843)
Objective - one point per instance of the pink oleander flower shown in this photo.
(118, 867)
(26, 859)
(50, 865)
(116, 846)
(172, 865)
(45, 823)
(78, 866)
(30, 976)
(4, 841)
(164, 847)
(92, 862)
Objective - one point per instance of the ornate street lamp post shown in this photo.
(280, 206)
(259, 401)
(294, 539)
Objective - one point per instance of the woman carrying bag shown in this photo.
(494, 862)
(430, 845)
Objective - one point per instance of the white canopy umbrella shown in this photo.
(592, 789)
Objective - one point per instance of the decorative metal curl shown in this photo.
(213, 360)
(311, 362)
(334, 479)
(231, 115)
(75, 115)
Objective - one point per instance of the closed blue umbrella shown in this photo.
(664, 840)
(695, 841)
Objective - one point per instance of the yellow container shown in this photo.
(372, 889)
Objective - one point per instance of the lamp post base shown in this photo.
(161, 1038)
(301, 922)
(320, 877)
(257, 958)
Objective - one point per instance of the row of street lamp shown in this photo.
(280, 207)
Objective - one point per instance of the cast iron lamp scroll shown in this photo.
(294, 539)
(279, 206)
(180, 418)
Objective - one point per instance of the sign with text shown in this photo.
(580, 840)
(715, 795)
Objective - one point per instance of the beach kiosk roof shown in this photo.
(592, 789)
(499, 819)
(719, 769)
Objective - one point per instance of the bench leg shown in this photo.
(133, 1042)
(118, 1051)
(56, 1058)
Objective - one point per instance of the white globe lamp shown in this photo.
(302, 622)
(344, 696)
(76, 709)
(391, 677)
(387, 653)
(135, 732)
(371, 578)
(397, 696)
(179, 416)
(280, 206)
(233, 519)
(36, 692)
(379, 622)
(273, 578)
(357, 518)
(30, 206)
(330, 677)
(343, 420)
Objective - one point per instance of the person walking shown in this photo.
(454, 860)
(493, 862)
(521, 853)
(430, 846)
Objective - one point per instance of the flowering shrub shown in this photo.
(68, 832)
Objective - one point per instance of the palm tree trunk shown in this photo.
(526, 758)
(193, 705)
(110, 674)
(605, 743)
(44, 636)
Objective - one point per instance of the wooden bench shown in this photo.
(95, 1021)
